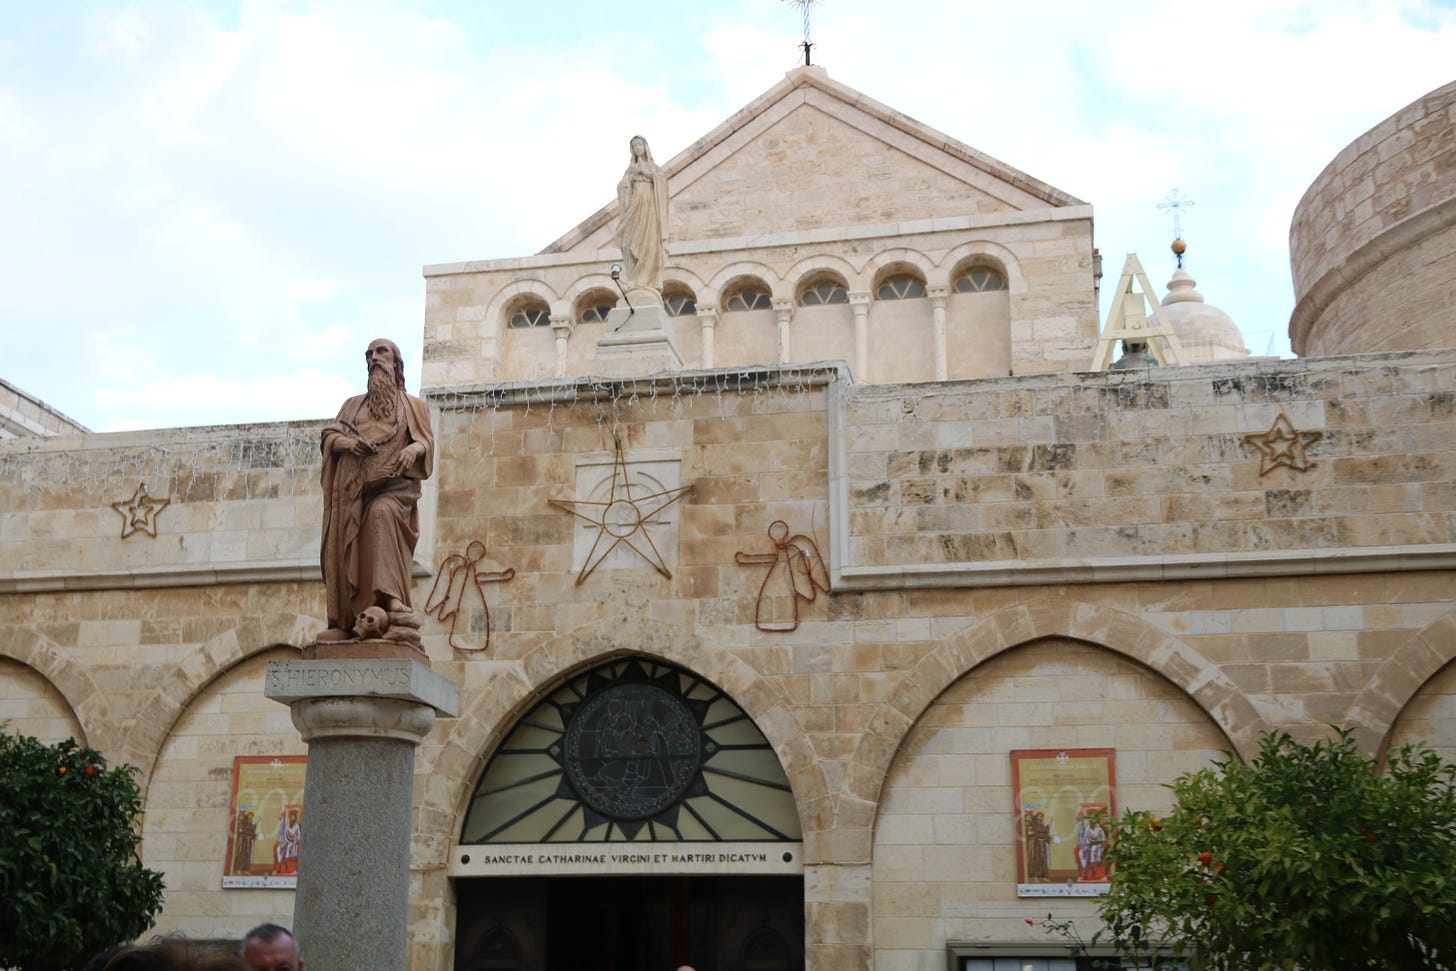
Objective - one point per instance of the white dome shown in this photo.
(1206, 333)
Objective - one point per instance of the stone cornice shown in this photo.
(807, 237)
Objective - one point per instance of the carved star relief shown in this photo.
(140, 512)
(621, 519)
(1284, 445)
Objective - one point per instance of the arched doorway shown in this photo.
(634, 820)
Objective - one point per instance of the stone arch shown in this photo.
(593, 297)
(166, 703)
(587, 282)
(825, 264)
(514, 688)
(982, 250)
(677, 273)
(87, 703)
(1375, 709)
(885, 263)
(950, 659)
(495, 311)
(734, 273)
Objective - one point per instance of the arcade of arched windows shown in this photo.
(899, 317)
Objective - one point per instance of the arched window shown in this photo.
(751, 295)
(634, 750)
(823, 292)
(530, 313)
(679, 300)
(594, 305)
(978, 279)
(901, 286)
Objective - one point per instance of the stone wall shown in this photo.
(1151, 472)
(1373, 241)
(999, 575)
(1047, 323)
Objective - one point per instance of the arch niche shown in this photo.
(945, 840)
(634, 816)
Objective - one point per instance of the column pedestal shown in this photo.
(636, 342)
(362, 720)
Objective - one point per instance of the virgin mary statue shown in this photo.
(642, 227)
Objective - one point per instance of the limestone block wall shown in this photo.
(999, 581)
(1373, 241)
(188, 800)
(1151, 472)
(1430, 719)
(31, 705)
(240, 502)
(1046, 320)
(945, 846)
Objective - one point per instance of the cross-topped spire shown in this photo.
(1176, 203)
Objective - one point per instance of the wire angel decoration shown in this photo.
(461, 578)
(796, 572)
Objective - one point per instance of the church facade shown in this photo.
(797, 633)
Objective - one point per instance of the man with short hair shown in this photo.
(270, 947)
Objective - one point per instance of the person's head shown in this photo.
(100, 960)
(384, 353)
(173, 954)
(271, 947)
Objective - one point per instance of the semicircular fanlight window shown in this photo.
(635, 750)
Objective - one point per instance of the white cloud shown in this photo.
(262, 183)
(208, 399)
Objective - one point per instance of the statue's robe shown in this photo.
(371, 525)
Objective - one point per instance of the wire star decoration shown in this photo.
(1284, 445)
(140, 512)
(621, 519)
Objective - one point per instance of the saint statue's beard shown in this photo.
(383, 395)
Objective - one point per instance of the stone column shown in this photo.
(937, 297)
(362, 720)
(785, 311)
(561, 330)
(708, 319)
(860, 301)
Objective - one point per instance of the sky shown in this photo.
(208, 209)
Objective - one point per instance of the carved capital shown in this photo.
(362, 717)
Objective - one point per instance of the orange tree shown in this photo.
(71, 882)
(1307, 858)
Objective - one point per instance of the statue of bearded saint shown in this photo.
(376, 453)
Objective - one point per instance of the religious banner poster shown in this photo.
(265, 825)
(1064, 802)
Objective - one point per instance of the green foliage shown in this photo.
(1307, 858)
(71, 882)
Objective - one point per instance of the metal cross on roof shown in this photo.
(1176, 203)
(804, 7)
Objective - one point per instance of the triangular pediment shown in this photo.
(811, 153)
